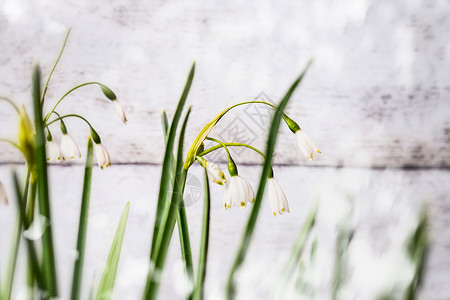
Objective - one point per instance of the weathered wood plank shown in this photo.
(377, 94)
(386, 203)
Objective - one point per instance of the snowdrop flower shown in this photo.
(277, 198)
(307, 147)
(3, 197)
(215, 173)
(53, 152)
(102, 156)
(112, 96)
(120, 111)
(238, 192)
(69, 148)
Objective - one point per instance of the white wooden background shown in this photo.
(376, 97)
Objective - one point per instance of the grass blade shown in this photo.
(161, 211)
(48, 261)
(106, 286)
(203, 256)
(271, 141)
(12, 258)
(181, 214)
(162, 243)
(32, 253)
(82, 226)
(185, 243)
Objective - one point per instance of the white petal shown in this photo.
(69, 148)
(102, 156)
(307, 147)
(273, 196)
(53, 152)
(215, 173)
(120, 111)
(277, 198)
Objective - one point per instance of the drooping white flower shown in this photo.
(120, 111)
(102, 156)
(277, 198)
(215, 173)
(53, 152)
(307, 147)
(69, 148)
(238, 192)
(3, 197)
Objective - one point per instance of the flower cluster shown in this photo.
(69, 148)
(238, 191)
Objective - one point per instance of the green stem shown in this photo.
(10, 102)
(48, 254)
(82, 226)
(12, 259)
(66, 116)
(54, 67)
(232, 169)
(32, 254)
(214, 148)
(70, 91)
(203, 256)
(249, 229)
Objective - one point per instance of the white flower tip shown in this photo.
(120, 111)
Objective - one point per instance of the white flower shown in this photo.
(102, 156)
(53, 152)
(238, 192)
(307, 147)
(3, 197)
(69, 149)
(277, 198)
(215, 173)
(120, 111)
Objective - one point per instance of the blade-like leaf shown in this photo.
(82, 226)
(32, 253)
(203, 256)
(161, 209)
(271, 141)
(12, 258)
(48, 260)
(181, 215)
(106, 286)
(162, 244)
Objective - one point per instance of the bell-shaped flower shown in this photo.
(102, 156)
(238, 192)
(215, 173)
(3, 197)
(69, 148)
(277, 199)
(307, 147)
(53, 152)
(120, 111)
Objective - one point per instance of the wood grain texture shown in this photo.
(386, 205)
(376, 95)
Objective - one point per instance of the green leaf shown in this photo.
(162, 243)
(48, 261)
(271, 141)
(106, 286)
(181, 215)
(203, 256)
(82, 226)
(12, 258)
(32, 253)
(161, 209)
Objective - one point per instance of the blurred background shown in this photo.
(375, 101)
